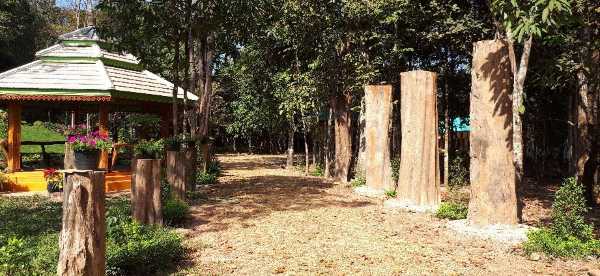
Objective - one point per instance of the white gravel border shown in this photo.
(512, 234)
(394, 203)
(369, 192)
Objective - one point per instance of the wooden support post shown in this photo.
(14, 137)
(83, 236)
(176, 173)
(378, 108)
(419, 176)
(493, 191)
(103, 128)
(145, 192)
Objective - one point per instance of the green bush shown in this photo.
(175, 211)
(203, 178)
(358, 181)
(29, 239)
(391, 193)
(452, 211)
(214, 167)
(458, 172)
(395, 164)
(149, 149)
(568, 235)
(318, 171)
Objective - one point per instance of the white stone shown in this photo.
(394, 203)
(512, 234)
(369, 192)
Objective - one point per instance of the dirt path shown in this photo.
(261, 220)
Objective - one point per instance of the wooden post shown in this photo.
(493, 191)
(419, 176)
(176, 173)
(103, 128)
(145, 194)
(378, 107)
(14, 137)
(83, 236)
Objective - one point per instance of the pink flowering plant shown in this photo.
(91, 141)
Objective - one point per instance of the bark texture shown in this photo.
(378, 107)
(343, 138)
(83, 236)
(361, 160)
(176, 173)
(190, 157)
(419, 176)
(493, 189)
(145, 192)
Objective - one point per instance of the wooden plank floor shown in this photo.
(33, 181)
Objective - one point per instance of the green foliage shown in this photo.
(452, 211)
(29, 239)
(318, 171)
(214, 167)
(391, 193)
(175, 211)
(149, 149)
(569, 235)
(173, 143)
(458, 172)
(203, 178)
(359, 181)
(395, 164)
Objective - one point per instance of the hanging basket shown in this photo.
(86, 160)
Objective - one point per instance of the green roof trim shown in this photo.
(53, 92)
(122, 64)
(79, 43)
(69, 59)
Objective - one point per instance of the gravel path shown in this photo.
(261, 219)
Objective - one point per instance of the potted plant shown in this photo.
(87, 147)
(149, 149)
(54, 180)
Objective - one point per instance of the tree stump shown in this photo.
(492, 175)
(191, 166)
(419, 176)
(145, 193)
(378, 107)
(176, 173)
(83, 236)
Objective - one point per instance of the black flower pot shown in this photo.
(86, 160)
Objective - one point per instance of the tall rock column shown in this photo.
(493, 191)
(378, 107)
(419, 177)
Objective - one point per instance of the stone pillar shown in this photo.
(493, 191)
(83, 236)
(419, 176)
(14, 137)
(145, 192)
(378, 107)
(103, 128)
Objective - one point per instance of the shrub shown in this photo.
(203, 178)
(38, 124)
(318, 171)
(458, 172)
(390, 193)
(173, 143)
(568, 235)
(175, 211)
(359, 181)
(149, 149)
(214, 167)
(452, 211)
(395, 164)
(13, 256)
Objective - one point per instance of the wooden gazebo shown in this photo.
(78, 75)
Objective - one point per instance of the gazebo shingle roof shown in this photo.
(81, 70)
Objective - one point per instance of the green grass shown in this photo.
(41, 134)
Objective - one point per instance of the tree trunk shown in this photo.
(519, 75)
(145, 192)
(176, 173)
(361, 160)
(327, 145)
(175, 89)
(83, 235)
(290, 149)
(448, 128)
(377, 109)
(306, 155)
(190, 155)
(492, 173)
(419, 181)
(343, 138)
